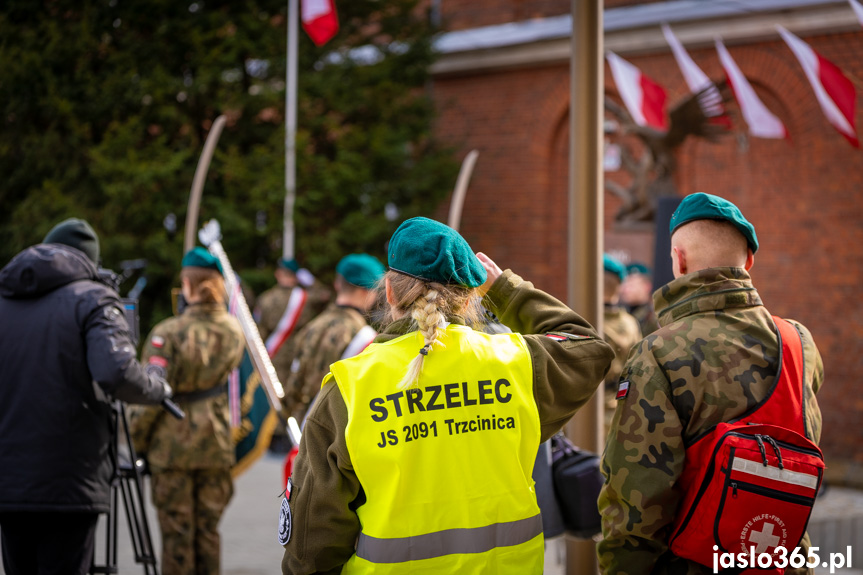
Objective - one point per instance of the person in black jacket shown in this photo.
(65, 353)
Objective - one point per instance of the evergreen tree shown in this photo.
(106, 106)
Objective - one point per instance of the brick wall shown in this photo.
(805, 197)
(461, 14)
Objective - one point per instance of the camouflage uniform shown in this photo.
(321, 343)
(191, 459)
(622, 333)
(714, 358)
(269, 309)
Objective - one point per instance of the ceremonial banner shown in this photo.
(835, 92)
(253, 419)
(761, 121)
(257, 419)
(644, 98)
(695, 78)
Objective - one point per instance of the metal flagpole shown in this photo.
(585, 219)
(290, 130)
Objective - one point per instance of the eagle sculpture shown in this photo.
(652, 167)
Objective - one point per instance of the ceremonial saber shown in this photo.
(461, 189)
(211, 236)
(198, 183)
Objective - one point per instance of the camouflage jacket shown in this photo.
(714, 357)
(622, 333)
(195, 352)
(320, 343)
(269, 308)
(326, 490)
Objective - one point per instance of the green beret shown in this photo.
(637, 268)
(612, 266)
(77, 234)
(431, 251)
(709, 207)
(361, 270)
(200, 258)
(291, 264)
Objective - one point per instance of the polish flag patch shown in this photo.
(555, 337)
(622, 389)
(157, 341)
(157, 360)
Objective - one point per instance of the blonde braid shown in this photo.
(427, 314)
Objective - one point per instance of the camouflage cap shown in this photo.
(703, 206)
(198, 257)
(361, 270)
(612, 266)
(289, 264)
(431, 251)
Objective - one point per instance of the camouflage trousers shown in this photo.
(190, 505)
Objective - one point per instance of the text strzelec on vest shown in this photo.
(432, 400)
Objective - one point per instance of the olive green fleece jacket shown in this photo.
(326, 491)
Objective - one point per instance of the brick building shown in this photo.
(502, 87)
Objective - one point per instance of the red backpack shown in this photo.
(749, 485)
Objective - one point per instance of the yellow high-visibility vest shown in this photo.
(446, 465)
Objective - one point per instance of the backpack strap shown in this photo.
(785, 403)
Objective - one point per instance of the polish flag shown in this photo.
(644, 98)
(319, 20)
(833, 90)
(858, 10)
(695, 78)
(761, 121)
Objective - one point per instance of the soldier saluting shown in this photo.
(463, 413)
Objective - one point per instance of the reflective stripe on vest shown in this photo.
(431, 545)
(445, 466)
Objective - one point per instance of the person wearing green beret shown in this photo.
(417, 454)
(340, 331)
(636, 295)
(619, 328)
(191, 459)
(280, 313)
(714, 359)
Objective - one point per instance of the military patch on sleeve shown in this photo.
(622, 389)
(157, 341)
(285, 522)
(158, 360)
(560, 336)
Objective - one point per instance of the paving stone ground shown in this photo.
(250, 546)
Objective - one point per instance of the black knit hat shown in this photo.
(77, 234)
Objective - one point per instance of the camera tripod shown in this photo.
(128, 481)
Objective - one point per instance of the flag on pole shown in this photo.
(319, 20)
(695, 78)
(835, 92)
(858, 10)
(761, 121)
(644, 98)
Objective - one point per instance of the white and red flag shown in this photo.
(319, 20)
(695, 77)
(761, 121)
(858, 10)
(834, 91)
(644, 98)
